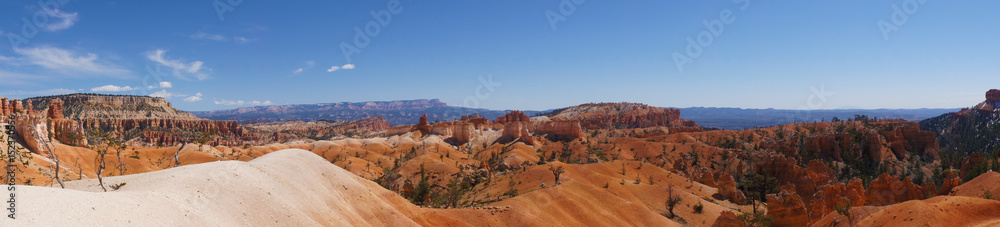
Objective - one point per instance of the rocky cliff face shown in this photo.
(560, 130)
(91, 106)
(32, 132)
(787, 209)
(319, 130)
(887, 190)
(513, 116)
(992, 103)
(968, 131)
(64, 130)
(148, 120)
(625, 115)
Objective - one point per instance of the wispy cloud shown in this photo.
(242, 40)
(68, 61)
(241, 102)
(297, 71)
(181, 70)
(163, 84)
(194, 98)
(206, 36)
(16, 78)
(56, 91)
(345, 67)
(60, 20)
(111, 88)
(222, 38)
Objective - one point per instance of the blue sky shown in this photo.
(531, 55)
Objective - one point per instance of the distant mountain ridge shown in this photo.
(399, 112)
(737, 118)
(407, 112)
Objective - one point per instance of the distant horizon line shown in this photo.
(508, 109)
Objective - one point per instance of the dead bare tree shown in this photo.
(120, 166)
(177, 160)
(55, 159)
(100, 138)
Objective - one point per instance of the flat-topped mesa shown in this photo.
(131, 116)
(373, 124)
(625, 115)
(286, 131)
(83, 106)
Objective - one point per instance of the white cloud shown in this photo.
(345, 67)
(257, 103)
(163, 94)
(194, 98)
(206, 36)
(241, 102)
(163, 84)
(65, 60)
(112, 88)
(60, 20)
(229, 102)
(181, 69)
(297, 71)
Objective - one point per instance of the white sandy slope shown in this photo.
(285, 188)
